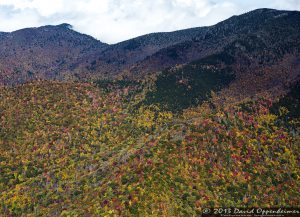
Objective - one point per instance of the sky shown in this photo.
(112, 21)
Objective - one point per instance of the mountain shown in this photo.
(158, 51)
(137, 49)
(266, 25)
(165, 124)
(25, 54)
(256, 54)
(120, 57)
(44, 53)
(260, 46)
(58, 52)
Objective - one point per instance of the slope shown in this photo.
(261, 63)
(268, 25)
(45, 52)
(69, 149)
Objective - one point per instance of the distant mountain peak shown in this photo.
(65, 25)
(52, 49)
(267, 11)
(264, 10)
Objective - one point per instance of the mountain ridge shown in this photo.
(76, 56)
(163, 125)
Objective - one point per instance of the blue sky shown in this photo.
(112, 21)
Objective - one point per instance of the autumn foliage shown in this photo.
(70, 149)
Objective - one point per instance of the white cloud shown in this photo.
(287, 4)
(116, 20)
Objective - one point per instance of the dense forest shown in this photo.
(165, 124)
(76, 149)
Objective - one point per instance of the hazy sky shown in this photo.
(117, 20)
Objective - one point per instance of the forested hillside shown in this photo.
(77, 149)
(165, 124)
